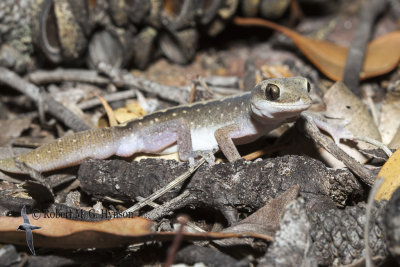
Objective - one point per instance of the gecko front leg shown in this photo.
(223, 136)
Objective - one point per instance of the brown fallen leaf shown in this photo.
(112, 121)
(264, 221)
(270, 215)
(269, 71)
(395, 142)
(64, 233)
(390, 110)
(132, 110)
(360, 122)
(390, 172)
(382, 54)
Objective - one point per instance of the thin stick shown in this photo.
(311, 129)
(120, 77)
(169, 206)
(52, 106)
(67, 75)
(109, 98)
(165, 189)
(175, 244)
(375, 143)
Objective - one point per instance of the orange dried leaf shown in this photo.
(64, 233)
(382, 54)
(131, 111)
(390, 173)
(269, 71)
(71, 234)
(110, 113)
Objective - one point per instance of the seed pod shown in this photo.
(137, 10)
(118, 12)
(177, 15)
(208, 10)
(180, 46)
(153, 18)
(112, 46)
(82, 13)
(59, 35)
(338, 234)
(224, 14)
(143, 47)
(249, 8)
(15, 34)
(272, 9)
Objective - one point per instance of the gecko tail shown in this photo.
(8, 165)
(67, 151)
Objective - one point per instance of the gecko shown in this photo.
(188, 129)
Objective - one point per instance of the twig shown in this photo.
(122, 78)
(52, 106)
(165, 189)
(311, 129)
(264, 151)
(171, 93)
(192, 91)
(109, 98)
(356, 54)
(67, 75)
(375, 143)
(175, 244)
(169, 206)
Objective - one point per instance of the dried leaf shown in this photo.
(390, 172)
(270, 215)
(341, 103)
(269, 71)
(110, 113)
(131, 111)
(64, 233)
(264, 221)
(360, 122)
(390, 110)
(395, 143)
(382, 54)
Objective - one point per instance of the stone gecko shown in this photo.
(188, 129)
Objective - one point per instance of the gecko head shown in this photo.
(280, 99)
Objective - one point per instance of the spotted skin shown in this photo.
(203, 126)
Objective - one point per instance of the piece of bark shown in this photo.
(293, 244)
(9, 255)
(223, 186)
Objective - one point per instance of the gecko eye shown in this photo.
(272, 92)
(308, 87)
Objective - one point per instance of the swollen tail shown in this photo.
(67, 151)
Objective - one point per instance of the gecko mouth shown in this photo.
(273, 110)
